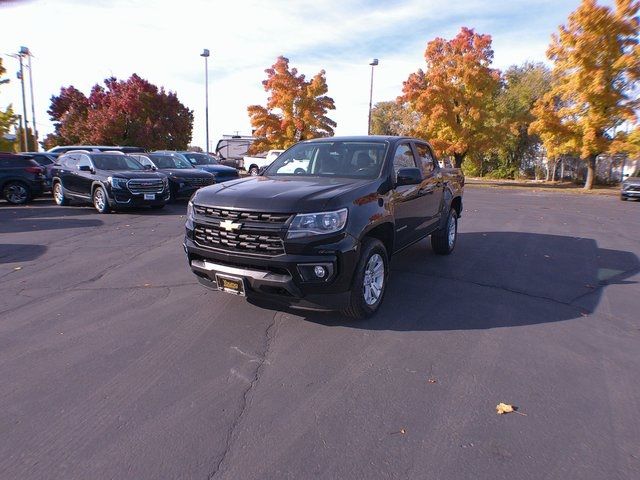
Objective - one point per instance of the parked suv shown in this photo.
(94, 148)
(631, 186)
(205, 162)
(108, 181)
(184, 178)
(46, 161)
(318, 227)
(21, 178)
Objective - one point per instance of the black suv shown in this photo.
(21, 178)
(208, 163)
(108, 181)
(184, 178)
(46, 161)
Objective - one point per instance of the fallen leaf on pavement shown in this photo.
(17, 268)
(432, 380)
(503, 408)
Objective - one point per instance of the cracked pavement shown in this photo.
(115, 363)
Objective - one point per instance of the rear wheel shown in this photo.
(253, 171)
(369, 281)
(16, 193)
(58, 195)
(100, 201)
(443, 241)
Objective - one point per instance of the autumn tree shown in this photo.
(122, 112)
(296, 108)
(455, 95)
(393, 118)
(596, 67)
(7, 118)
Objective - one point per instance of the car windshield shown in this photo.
(169, 161)
(116, 162)
(351, 159)
(200, 158)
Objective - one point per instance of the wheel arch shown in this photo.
(385, 232)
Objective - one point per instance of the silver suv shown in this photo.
(631, 186)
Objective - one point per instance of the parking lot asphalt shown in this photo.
(115, 363)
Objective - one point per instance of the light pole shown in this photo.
(373, 63)
(27, 52)
(24, 104)
(205, 54)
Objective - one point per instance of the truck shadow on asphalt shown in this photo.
(20, 252)
(494, 279)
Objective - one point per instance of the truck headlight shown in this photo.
(118, 183)
(190, 210)
(309, 224)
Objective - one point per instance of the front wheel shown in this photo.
(369, 281)
(58, 195)
(623, 198)
(16, 193)
(100, 202)
(443, 241)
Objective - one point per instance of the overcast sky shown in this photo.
(81, 43)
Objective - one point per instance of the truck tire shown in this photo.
(369, 280)
(254, 170)
(443, 240)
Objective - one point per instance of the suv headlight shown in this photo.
(118, 182)
(309, 224)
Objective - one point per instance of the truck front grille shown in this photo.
(260, 233)
(227, 214)
(269, 243)
(143, 185)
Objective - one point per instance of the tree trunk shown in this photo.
(591, 172)
(555, 167)
(562, 170)
(457, 159)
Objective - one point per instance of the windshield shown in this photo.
(200, 158)
(116, 162)
(349, 159)
(169, 161)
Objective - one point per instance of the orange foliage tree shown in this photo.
(296, 108)
(455, 96)
(596, 68)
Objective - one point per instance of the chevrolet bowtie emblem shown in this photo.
(228, 225)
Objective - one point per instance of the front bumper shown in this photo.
(279, 279)
(124, 198)
(630, 193)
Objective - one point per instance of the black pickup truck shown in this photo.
(317, 228)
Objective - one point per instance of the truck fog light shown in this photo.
(320, 271)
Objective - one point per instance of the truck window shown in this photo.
(426, 159)
(403, 158)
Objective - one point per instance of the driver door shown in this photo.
(405, 199)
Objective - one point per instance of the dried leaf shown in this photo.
(503, 408)
(432, 380)
(17, 268)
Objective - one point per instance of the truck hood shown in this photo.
(277, 194)
(217, 169)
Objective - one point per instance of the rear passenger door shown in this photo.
(431, 187)
(406, 199)
(84, 180)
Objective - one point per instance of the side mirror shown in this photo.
(85, 168)
(409, 176)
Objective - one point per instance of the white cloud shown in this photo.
(81, 44)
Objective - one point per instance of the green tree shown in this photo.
(596, 69)
(393, 118)
(7, 118)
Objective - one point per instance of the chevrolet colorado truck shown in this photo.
(320, 235)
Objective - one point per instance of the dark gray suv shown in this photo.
(631, 186)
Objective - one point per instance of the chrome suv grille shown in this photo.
(240, 231)
(143, 185)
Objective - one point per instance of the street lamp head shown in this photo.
(24, 51)
(373, 62)
(205, 53)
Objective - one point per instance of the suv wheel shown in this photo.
(58, 195)
(100, 201)
(16, 193)
(443, 241)
(370, 280)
